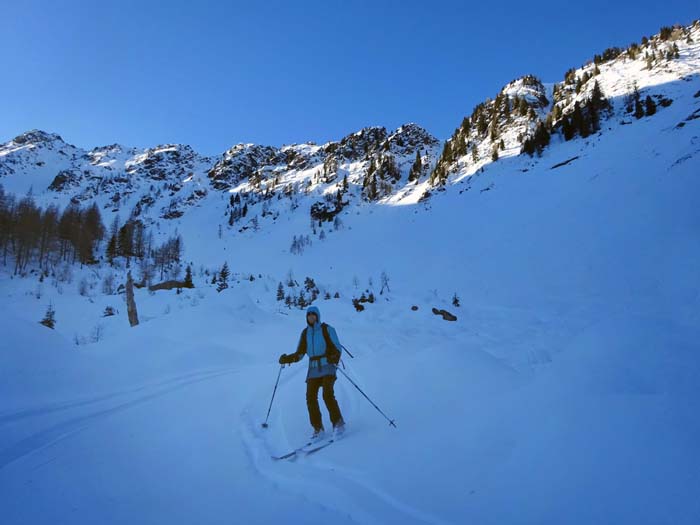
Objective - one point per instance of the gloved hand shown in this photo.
(284, 359)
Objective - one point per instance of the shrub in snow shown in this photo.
(357, 305)
(109, 311)
(49, 319)
(83, 287)
(108, 284)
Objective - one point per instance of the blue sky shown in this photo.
(212, 74)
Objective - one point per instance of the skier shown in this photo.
(320, 342)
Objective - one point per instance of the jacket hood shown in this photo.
(314, 310)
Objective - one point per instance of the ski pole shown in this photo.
(391, 421)
(348, 351)
(264, 425)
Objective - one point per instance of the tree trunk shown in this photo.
(130, 303)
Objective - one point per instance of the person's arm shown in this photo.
(301, 348)
(298, 355)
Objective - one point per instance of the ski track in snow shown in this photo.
(58, 432)
(57, 407)
(330, 484)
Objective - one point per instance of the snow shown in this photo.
(566, 391)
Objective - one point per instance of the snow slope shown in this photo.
(566, 391)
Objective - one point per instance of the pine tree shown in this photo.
(595, 105)
(188, 277)
(528, 146)
(224, 273)
(650, 106)
(309, 284)
(522, 109)
(638, 109)
(49, 319)
(567, 128)
(372, 188)
(223, 278)
(112, 249)
(280, 292)
(542, 137)
(416, 169)
(579, 121)
(557, 113)
(125, 240)
(481, 125)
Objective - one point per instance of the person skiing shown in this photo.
(320, 342)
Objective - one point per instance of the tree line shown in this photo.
(32, 236)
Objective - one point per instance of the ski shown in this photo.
(293, 452)
(285, 456)
(315, 447)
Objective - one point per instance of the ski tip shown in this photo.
(285, 456)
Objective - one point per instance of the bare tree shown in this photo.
(385, 282)
(130, 302)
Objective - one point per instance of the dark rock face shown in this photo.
(64, 180)
(37, 137)
(169, 285)
(241, 162)
(170, 163)
(322, 211)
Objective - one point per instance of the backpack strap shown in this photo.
(330, 345)
(331, 349)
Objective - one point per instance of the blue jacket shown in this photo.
(314, 345)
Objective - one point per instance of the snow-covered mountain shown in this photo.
(565, 391)
(166, 181)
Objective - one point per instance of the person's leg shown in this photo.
(331, 402)
(312, 386)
